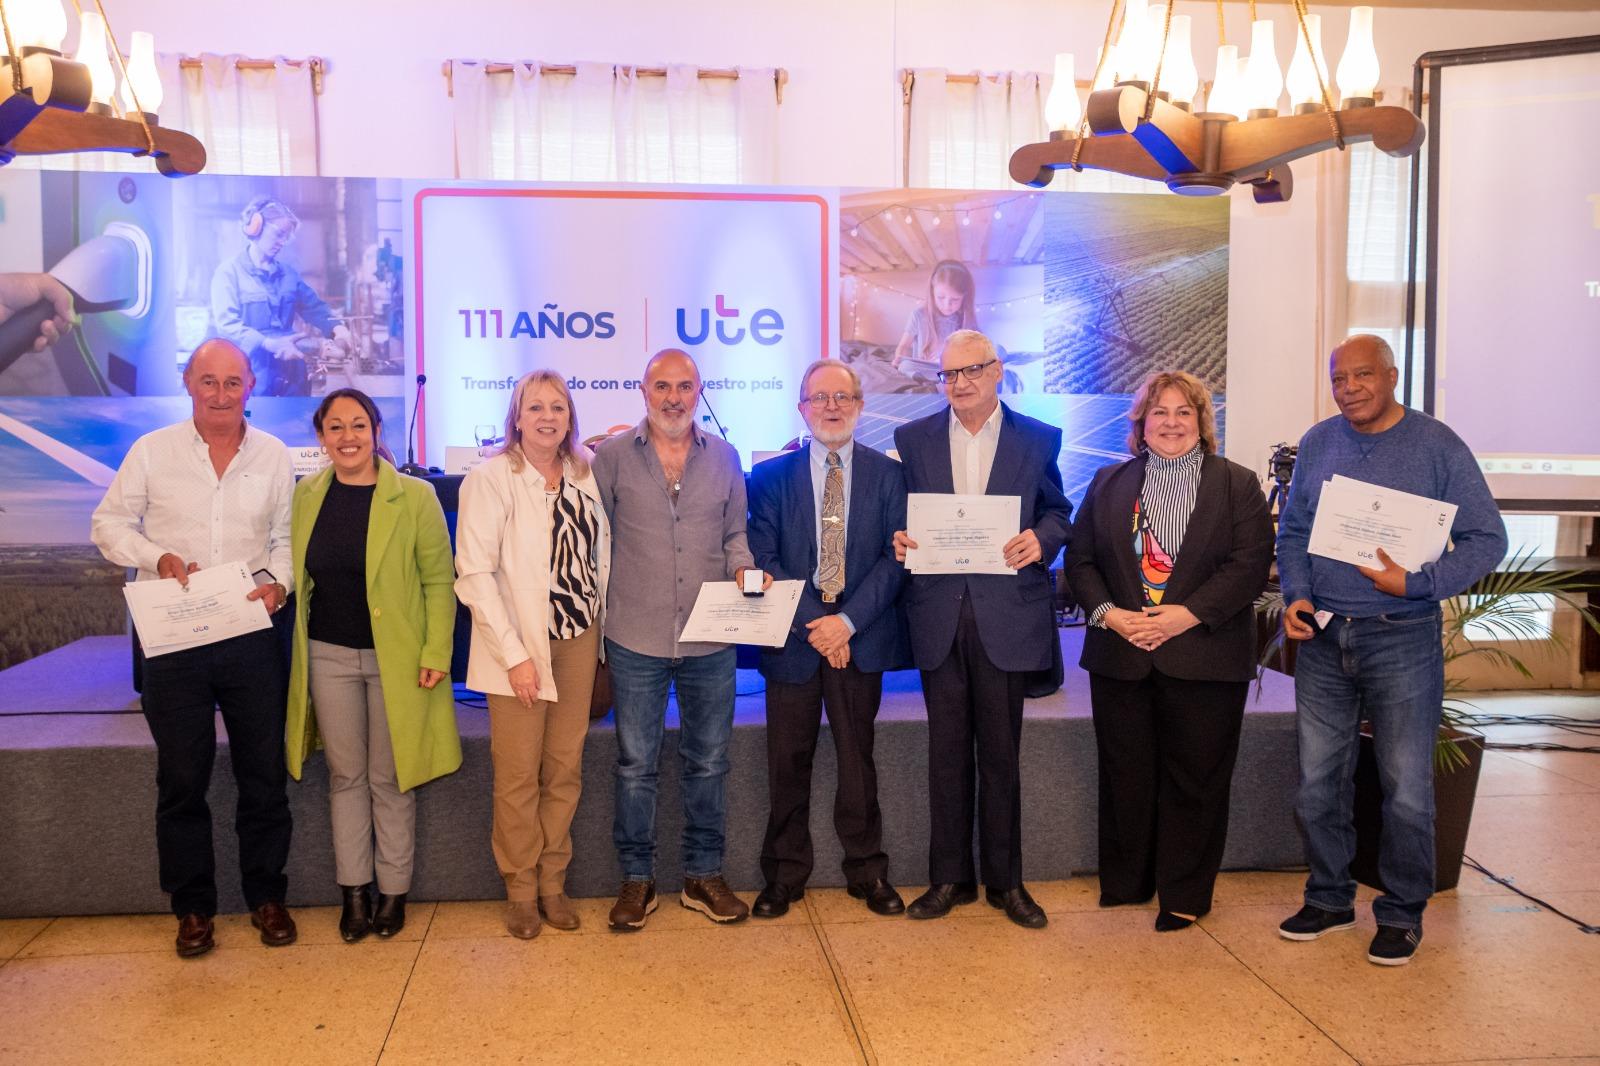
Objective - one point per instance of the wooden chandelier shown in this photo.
(1133, 129)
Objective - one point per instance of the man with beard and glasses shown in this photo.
(826, 515)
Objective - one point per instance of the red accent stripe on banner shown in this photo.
(606, 194)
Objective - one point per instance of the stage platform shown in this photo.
(77, 785)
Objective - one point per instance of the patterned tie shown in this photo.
(830, 573)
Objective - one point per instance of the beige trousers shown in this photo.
(538, 772)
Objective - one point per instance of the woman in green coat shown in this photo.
(372, 636)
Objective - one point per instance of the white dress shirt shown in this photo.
(972, 454)
(167, 497)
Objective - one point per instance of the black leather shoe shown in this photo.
(390, 916)
(194, 936)
(276, 926)
(1019, 907)
(355, 921)
(1167, 922)
(774, 900)
(939, 899)
(880, 896)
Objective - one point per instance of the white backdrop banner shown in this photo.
(591, 281)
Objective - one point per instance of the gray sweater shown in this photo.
(1418, 454)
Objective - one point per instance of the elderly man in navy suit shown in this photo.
(975, 636)
(827, 515)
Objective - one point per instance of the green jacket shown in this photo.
(410, 576)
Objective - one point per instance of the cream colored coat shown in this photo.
(503, 570)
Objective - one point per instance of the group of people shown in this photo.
(569, 559)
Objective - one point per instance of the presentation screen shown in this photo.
(1515, 340)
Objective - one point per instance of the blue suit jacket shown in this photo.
(1015, 616)
(783, 539)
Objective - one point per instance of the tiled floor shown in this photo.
(1497, 980)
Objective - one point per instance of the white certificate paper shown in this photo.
(958, 534)
(1354, 519)
(724, 615)
(169, 617)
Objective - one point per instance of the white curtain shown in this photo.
(252, 120)
(960, 134)
(1364, 217)
(611, 123)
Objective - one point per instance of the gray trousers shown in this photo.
(364, 794)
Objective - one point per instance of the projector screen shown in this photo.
(1513, 330)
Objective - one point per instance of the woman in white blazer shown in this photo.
(533, 553)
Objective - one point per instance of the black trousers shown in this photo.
(1167, 749)
(973, 704)
(794, 714)
(245, 678)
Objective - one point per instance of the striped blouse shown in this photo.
(574, 587)
(1161, 515)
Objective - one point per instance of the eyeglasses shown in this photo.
(971, 373)
(840, 399)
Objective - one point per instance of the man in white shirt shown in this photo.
(206, 491)
(975, 636)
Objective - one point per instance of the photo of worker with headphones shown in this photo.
(263, 305)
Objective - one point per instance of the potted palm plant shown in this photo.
(1499, 618)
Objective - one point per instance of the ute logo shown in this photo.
(765, 325)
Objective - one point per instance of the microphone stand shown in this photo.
(709, 410)
(412, 467)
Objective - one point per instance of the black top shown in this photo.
(336, 560)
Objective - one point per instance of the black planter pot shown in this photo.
(1453, 793)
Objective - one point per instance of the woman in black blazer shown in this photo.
(1168, 554)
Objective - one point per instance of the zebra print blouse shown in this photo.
(574, 595)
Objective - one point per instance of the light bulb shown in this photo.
(1227, 90)
(1358, 67)
(1263, 77)
(1179, 78)
(1304, 92)
(38, 23)
(92, 54)
(143, 77)
(1061, 108)
(1135, 54)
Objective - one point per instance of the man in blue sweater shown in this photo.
(1380, 656)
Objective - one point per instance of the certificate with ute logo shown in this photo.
(169, 616)
(1354, 519)
(959, 534)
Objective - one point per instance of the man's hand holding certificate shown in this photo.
(723, 614)
(957, 534)
(170, 616)
(1355, 520)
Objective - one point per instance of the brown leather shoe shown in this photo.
(636, 901)
(194, 936)
(558, 911)
(712, 897)
(522, 919)
(277, 928)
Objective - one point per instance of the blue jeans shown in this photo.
(705, 689)
(1390, 670)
